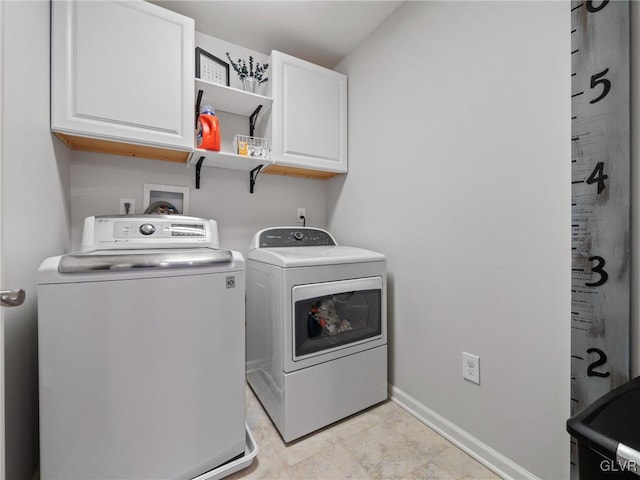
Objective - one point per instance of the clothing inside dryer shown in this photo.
(329, 321)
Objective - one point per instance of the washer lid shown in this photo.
(312, 256)
(49, 272)
(123, 260)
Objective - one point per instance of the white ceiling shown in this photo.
(322, 32)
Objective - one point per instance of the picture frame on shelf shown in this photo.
(210, 68)
(165, 199)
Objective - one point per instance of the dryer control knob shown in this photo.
(298, 235)
(147, 229)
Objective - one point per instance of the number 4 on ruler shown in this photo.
(598, 176)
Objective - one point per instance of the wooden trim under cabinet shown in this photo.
(125, 149)
(298, 172)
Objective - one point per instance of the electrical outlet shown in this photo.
(471, 367)
(302, 212)
(127, 206)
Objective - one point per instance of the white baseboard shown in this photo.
(482, 452)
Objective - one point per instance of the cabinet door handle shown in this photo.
(12, 298)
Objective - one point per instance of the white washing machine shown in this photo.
(141, 352)
(316, 328)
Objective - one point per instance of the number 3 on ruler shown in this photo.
(604, 276)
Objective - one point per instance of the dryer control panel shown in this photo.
(148, 231)
(293, 237)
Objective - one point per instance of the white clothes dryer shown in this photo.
(141, 352)
(316, 328)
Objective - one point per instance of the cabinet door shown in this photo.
(122, 71)
(309, 115)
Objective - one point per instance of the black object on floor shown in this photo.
(608, 435)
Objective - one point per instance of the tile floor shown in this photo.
(384, 442)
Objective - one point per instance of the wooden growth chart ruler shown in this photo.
(600, 159)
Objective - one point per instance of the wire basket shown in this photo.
(255, 147)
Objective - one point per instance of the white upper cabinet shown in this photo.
(309, 116)
(122, 71)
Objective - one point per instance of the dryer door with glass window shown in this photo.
(336, 317)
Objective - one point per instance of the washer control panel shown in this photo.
(294, 237)
(159, 229)
(148, 231)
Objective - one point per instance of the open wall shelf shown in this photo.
(231, 161)
(228, 99)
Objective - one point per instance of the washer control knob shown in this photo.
(147, 229)
(298, 235)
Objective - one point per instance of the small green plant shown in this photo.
(240, 67)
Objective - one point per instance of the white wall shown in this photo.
(35, 223)
(99, 181)
(459, 170)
